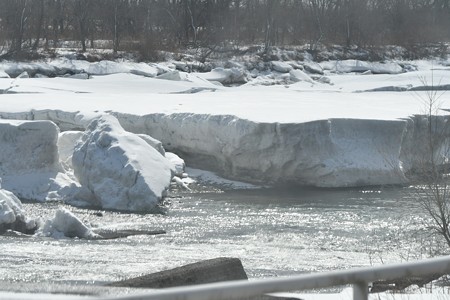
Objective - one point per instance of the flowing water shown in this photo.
(274, 232)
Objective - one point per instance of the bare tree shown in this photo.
(433, 168)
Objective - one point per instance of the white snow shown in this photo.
(120, 169)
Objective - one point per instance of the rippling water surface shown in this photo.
(275, 232)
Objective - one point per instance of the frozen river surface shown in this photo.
(274, 232)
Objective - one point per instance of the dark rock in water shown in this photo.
(18, 226)
(116, 234)
(206, 271)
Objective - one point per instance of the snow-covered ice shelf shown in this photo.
(307, 133)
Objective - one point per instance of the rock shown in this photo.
(121, 170)
(104, 234)
(206, 271)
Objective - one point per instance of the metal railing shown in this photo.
(359, 278)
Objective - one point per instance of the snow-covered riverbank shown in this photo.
(354, 130)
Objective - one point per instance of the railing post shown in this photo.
(360, 291)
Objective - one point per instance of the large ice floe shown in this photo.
(120, 169)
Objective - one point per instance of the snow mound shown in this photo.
(12, 214)
(66, 224)
(352, 65)
(29, 162)
(122, 171)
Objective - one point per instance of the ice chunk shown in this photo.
(106, 67)
(3, 74)
(122, 171)
(224, 76)
(281, 67)
(153, 142)
(66, 224)
(298, 75)
(177, 163)
(29, 164)
(171, 75)
(66, 145)
(352, 65)
(313, 67)
(12, 215)
(24, 74)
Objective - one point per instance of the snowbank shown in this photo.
(122, 171)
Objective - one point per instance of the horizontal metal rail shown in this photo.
(359, 278)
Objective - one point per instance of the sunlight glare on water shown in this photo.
(274, 232)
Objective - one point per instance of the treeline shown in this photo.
(147, 25)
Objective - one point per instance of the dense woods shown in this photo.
(147, 25)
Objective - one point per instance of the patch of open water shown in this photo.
(274, 232)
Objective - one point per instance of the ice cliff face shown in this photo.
(323, 153)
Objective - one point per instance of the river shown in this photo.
(274, 232)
